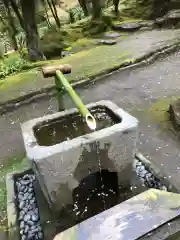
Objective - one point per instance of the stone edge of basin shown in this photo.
(147, 58)
(149, 201)
(35, 151)
(12, 214)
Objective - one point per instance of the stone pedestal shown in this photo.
(61, 167)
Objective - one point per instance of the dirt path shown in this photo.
(132, 90)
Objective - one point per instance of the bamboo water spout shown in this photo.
(90, 120)
(62, 82)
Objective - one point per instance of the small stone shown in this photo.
(129, 27)
(164, 188)
(34, 218)
(30, 223)
(32, 201)
(30, 190)
(22, 225)
(36, 237)
(18, 185)
(149, 175)
(26, 196)
(33, 227)
(21, 215)
(26, 229)
(33, 178)
(39, 227)
(20, 196)
(26, 177)
(21, 189)
(30, 196)
(21, 205)
(40, 235)
(21, 232)
(107, 42)
(142, 174)
(138, 163)
(27, 218)
(138, 168)
(25, 182)
(141, 168)
(26, 209)
(25, 189)
(34, 230)
(31, 207)
(23, 237)
(113, 35)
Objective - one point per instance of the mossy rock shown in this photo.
(52, 43)
(137, 8)
(172, 18)
(98, 26)
(145, 9)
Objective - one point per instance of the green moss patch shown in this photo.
(158, 113)
(85, 64)
(14, 85)
(159, 110)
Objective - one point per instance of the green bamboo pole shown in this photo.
(90, 120)
(59, 89)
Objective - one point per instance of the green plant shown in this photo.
(11, 64)
(76, 14)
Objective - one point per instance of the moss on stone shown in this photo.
(83, 44)
(17, 79)
(13, 86)
(159, 110)
(158, 113)
(137, 8)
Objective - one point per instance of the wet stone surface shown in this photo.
(130, 27)
(29, 220)
(107, 42)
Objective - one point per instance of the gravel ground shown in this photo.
(29, 219)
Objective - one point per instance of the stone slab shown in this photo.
(129, 220)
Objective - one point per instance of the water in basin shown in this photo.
(66, 128)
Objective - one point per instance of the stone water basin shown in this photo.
(82, 173)
(65, 154)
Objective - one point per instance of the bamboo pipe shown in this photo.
(90, 120)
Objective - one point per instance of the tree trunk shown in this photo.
(17, 12)
(56, 14)
(47, 17)
(53, 13)
(46, 12)
(11, 26)
(116, 5)
(32, 36)
(97, 11)
(83, 5)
